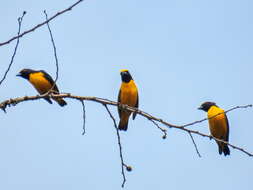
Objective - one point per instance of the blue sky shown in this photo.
(180, 53)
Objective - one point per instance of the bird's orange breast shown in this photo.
(39, 82)
(129, 93)
(217, 124)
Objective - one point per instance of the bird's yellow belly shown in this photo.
(218, 126)
(40, 83)
(129, 94)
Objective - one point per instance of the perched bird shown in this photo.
(128, 95)
(218, 125)
(42, 82)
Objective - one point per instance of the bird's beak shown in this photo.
(18, 75)
(200, 108)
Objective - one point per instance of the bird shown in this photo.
(218, 125)
(128, 94)
(42, 82)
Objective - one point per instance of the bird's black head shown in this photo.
(125, 75)
(206, 106)
(25, 73)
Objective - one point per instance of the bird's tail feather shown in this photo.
(226, 150)
(60, 101)
(48, 100)
(223, 148)
(123, 124)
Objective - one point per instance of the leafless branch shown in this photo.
(20, 19)
(103, 101)
(162, 129)
(195, 145)
(120, 148)
(229, 110)
(55, 52)
(84, 116)
(41, 24)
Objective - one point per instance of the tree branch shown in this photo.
(195, 145)
(84, 116)
(229, 110)
(41, 24)
(55, 52)
(160, 128)
(129, 168)
(20, 19)
(13, 102)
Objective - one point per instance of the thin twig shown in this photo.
(55, 52)
(195, 145)
(229, 110)
(41, 24)
(84, 116)
(20, 19)
(15, 101)
(162, 129)
(120, 148)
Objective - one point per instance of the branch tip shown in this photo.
(84, 116)
(41, 24)
(15, 50)
(129, 168)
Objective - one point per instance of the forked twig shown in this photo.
(120, 148)
(20, 19)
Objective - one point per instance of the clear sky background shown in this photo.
(180, 53)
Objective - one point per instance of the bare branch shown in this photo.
(200, 121)
(195, 145)
(103, 101)
(41, 24)
(84, 117)
(20, 19)
(129, 168)
(162, 129)
(55, 52)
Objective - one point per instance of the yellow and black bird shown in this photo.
(42, 82)
(218, 125)
(128, 95)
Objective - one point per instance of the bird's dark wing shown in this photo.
(227, 135)
(136, 105)
(50, 79)
(119, 100)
